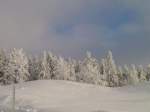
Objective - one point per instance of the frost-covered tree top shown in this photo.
(88, 54)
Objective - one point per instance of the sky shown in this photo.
(71, 27)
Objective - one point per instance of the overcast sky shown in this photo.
(71, 27)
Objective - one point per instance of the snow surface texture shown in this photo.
(65, 96)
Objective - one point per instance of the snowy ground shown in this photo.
(63, 96)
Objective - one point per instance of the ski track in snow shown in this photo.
(66, 96)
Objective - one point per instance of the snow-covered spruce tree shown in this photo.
(103, 74)
(49, 66)
(121, 79)
(78, 67)
(148, 73)
(111, 70)
(71, 66)
(66, 69)
(34, 67)
(90, 69)
(125, 75)
(53, 65)
(133, 76)
(18, 66)
(62, 70)
(141, 73)
(3, 67)
(45, 67)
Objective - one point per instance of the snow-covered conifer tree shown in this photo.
(45, 67)
(78, 67)
(103, 74)
(66, 69)
(120, 76)
(62, 70)
(111, 70)
(34, 67)
(133, 78)
(18, 66)
(148, 73)
(3, 67)
(53, 65)
(49, 66)
(141, 73)
(71, 64)
(126, 75)
(90, 69)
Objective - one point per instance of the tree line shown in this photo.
(16, 66)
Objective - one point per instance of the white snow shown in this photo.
(65, 96)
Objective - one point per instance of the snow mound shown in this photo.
(66, 96)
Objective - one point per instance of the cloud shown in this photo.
(33, 24)
(70, 27)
